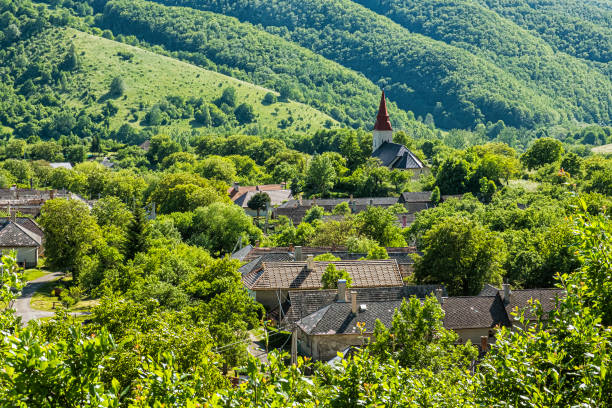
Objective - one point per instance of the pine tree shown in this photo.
(136, 236)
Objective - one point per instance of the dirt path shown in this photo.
(22, 304)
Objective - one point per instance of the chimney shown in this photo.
(371, 202)
(354, 302)
(300, 200)
(342, 290)
(52, 194)
(257, 244)
(404, 221)
(310, 263)
(484, 343)
(507, 293)
(439, 296)
(13, 215)
(298, 254)
(236, 186)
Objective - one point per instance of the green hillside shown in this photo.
(150, 78)
(526, 56)
(460, 88)
(45, 98)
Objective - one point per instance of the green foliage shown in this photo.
(117, 87)
(332, 275)
(314, 213)
(259, 201)
(321, 175)
(326, 257)
(379, 224)
(461, 254)
(377, 252)
(542, 151)
(136, 238)
(342, 209)
(418, 339)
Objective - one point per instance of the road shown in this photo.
(22, 304)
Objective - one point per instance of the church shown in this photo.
(392, 155)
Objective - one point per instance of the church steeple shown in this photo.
(383, 132)
(382, 119)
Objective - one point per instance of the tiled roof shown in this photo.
(27, 223)
(397, 156)
(461, 313)
(416, 197)
(235, 193)
(306, 302)
(470, 312)
(258, 262)
(277, 197)
(332, 202)
(249, 252)
(14, 235)
(519, 298)
(295, 275)
(488, 290)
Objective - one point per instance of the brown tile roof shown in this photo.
(294, 275)
(236, 193)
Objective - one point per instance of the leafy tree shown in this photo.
(460, 254)
(217, 168)
(377, 252)
(330, 277)
(71, 60)
(572, 163)
(111, 211)
(244, 113)
(228, 97)
(543, 151)
(314, 213)
(321, 175)
(117, 87)
(342, 209)
(259, 201)
(269, 98)
(70, 233)
(418, 339)
(15, 148)
(218, 227)
(435, 195)
(327, 257)
(161, 146)
(379, 224)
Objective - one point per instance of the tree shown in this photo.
(269, 98)
(321, 175)
(218, 227)
(435, 195)
(71, 60)
(314, 213)
(330, 277)
(244, 113)
(259, 201)
(228, 97)
(217, 168)
(452, 177)
(136, 234)
(342, 209)
(117, 87)
(417, 338)
(161, 146)
(70, 233)
(15, 148)
(460, 254)
(379, 224)
(111, 211)
(377, 252)
(543, 151)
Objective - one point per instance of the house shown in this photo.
(240, 195)
(392, 155)
(29, 201)
(270, 283)
(22, 235)
(326, 322)
(254, 257)
(295, 210)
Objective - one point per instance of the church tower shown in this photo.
(382, 129)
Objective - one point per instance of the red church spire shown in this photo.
(382, 119)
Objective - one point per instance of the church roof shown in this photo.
(397, 156)
(382, 119)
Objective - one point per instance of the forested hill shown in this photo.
(458, 80)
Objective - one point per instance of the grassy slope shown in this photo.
(150, 77)
(605, 149)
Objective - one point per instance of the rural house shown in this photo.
(24, 236)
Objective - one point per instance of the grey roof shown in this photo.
(242, 253)
(395, 155)
(306, 302)
(15, 235)
(415, 197)
(277, 197)
(460, 313)
(27, 223)
(332, 202)
(519, 298)
(471, 312)
(488, 290)
(258, 262)
(65, 165)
